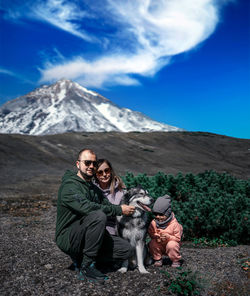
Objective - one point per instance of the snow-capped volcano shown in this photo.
(66, 106)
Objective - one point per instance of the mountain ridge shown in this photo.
(66, 106)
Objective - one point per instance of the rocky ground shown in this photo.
(31, 263)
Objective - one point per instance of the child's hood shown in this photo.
(162, 205)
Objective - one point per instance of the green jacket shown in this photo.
(76, 199)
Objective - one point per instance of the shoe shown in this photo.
(74, 266)
(158, 263)
(76, 263)
(176, 264)
(92, 274)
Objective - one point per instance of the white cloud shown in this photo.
(7, 72)
(157, 31)
(168, 27)
(15, 75)
(64, 15)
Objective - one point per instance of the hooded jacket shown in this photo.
(76, 199)
(173, 229)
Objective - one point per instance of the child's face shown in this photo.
(160, 217)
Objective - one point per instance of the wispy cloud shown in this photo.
(158, 30)
(114, 69)
(143, 36)
(15, 75)
(6, 72)
(65, 15)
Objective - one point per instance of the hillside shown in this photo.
(33, 165)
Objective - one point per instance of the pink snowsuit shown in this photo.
(169, 246)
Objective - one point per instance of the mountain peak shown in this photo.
(66, 106)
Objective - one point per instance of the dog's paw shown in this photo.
(143, 270)
(122, 270)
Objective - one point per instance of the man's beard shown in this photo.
(85, 176)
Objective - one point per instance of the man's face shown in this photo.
(86, 165)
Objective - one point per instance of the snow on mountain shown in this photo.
(66, 106)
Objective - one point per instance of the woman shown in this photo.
(112, 188)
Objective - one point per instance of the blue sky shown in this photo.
(182, 62)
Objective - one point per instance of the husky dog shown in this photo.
(134, 228)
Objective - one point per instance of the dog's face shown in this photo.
(139, 198)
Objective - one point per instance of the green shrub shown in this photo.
(185, 283)
(216, 242)
(208, 204)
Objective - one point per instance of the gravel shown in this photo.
(31, 263)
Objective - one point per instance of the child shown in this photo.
(165, 233)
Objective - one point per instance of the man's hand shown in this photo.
(127, 210)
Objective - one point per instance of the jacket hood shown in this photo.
(71, 175)
(163, 205)
(107, 191)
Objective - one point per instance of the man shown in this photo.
(82, 212)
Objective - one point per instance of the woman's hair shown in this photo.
(113, 177)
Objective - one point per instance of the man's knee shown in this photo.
(97, 217)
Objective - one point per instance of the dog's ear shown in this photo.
(140, 187)
(134, 190)
(126, 197)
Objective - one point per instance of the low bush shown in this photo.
(213, 243)
(209, 204)
(185, 283)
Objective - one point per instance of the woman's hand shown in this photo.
(127, 210)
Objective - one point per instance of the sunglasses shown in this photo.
(88, 162)
(106, 171)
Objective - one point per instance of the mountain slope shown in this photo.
(68, 107)
(35, 164)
